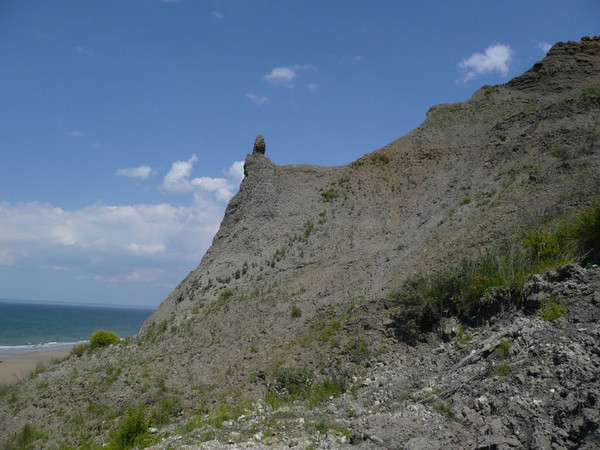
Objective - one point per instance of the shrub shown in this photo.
(463, 336)
(225, 294)
(103, 338)
(329, 387)
(293, 380)
(552, 310)
(329, 194)
(308, 227)
(296, 312)
(132, 430)
(502, 349)
(357, 350)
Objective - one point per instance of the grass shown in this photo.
(27, 436)
(297, 383)
(296, 312)
(308, 227)
(461, 290)
(591, 92)
(132, 431)
(552, 310)
(329, 194)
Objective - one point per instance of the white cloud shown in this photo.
(149, 249)
(75, 134)
(312, 87)
(236, 172)
(217, 14)
(99, 250)
(284, 75)
(177, 179)
(280, 75)
(135, 172)
(544, 46)
(258, 99)
(82, 51)
(495, 59)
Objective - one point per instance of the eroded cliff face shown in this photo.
(474, 172)
(304, 252)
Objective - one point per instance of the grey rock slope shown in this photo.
(298, 273)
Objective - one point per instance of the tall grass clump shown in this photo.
(132, 431)
(465, 290)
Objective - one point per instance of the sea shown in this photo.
(35, 325)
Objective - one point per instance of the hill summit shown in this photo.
(287, 332)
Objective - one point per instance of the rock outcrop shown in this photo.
(259, 145)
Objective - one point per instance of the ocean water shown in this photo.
(40, 325)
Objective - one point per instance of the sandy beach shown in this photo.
(16, 365)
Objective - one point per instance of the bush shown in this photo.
(293, 380)
(132, 430)
(103, 338)
(296, 312)
(552, 310)
(329, 194)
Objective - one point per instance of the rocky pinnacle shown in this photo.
(259, 145)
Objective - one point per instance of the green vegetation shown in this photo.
(296, 312)
(502, 350)
(461, 290)
(380, 159)
(329, 194)
(552, 310)
(591, 92)
(27, 436)
(133, 430)
(466, 200)
(357, 349)
(80, 349)
(225, 295)
(308, 227)
(103, 338)
(443, 408)
(297, 383)
(462, 336)
(501, 369)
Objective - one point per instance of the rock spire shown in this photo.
(259, 145)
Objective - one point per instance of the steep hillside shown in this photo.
(299, 270)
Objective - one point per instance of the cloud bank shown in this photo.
(119, 245)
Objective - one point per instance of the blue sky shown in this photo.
(124, 123)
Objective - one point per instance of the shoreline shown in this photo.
(17, 364)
